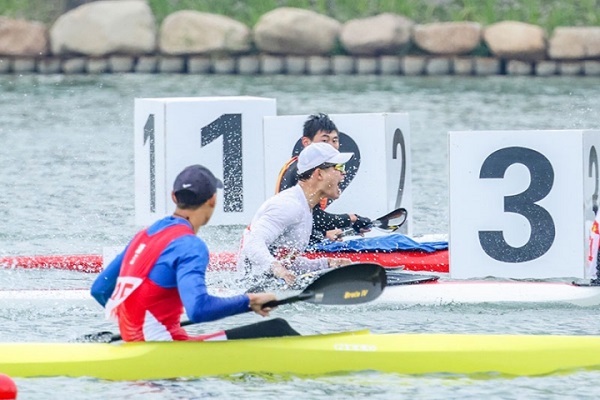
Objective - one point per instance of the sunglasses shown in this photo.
(338, 167)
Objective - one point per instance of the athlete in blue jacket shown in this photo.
(162, 271)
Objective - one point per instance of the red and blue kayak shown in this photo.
(390, 251)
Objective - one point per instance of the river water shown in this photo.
(66, 187)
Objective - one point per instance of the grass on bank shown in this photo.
(546, 13)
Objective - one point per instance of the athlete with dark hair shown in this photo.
(320, 128)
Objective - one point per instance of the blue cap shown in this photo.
(195, 184)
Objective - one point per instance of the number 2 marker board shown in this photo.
(378, 176)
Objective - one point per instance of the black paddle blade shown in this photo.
(393, 220)
(395, 278)
(352, 284)
(98, 337)
(390, 222)
(591, 283)
(109, 337)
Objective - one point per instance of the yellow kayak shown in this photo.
(306, 355)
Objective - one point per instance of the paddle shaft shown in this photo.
(394, 277)
(288, 300)
(271, 304)
(97, 337)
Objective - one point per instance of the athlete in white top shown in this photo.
(592, 256)
(273, 243)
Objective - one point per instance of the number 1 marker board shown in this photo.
(222, 133)
(521, 202)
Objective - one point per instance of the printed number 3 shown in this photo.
(541, 222)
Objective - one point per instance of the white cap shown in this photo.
(316, 154)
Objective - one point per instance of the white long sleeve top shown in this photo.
(282, 224)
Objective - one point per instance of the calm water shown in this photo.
(66, 187)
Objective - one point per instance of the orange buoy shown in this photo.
(8, 388)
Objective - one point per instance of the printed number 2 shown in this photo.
(593, 169)
(541, 222)
(399, 141)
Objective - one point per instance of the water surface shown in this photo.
(66, 187)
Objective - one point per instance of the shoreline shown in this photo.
(117, 37)
(410, 65)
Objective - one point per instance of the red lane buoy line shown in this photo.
(91, 263)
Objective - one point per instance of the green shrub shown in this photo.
(545, 13)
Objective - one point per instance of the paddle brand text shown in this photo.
(356, 294)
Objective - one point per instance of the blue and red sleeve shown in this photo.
(200, 306)
(105, 283)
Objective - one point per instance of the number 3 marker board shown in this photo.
(521, 202)
(222, 133)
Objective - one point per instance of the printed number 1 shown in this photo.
(229, 126)
(149, 137)
(540, 220)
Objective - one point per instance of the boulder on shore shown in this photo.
(515, 40)
(448, 38)
(193, 32)
(383, 34)
(105, 27)
(23, 38)
(295, 31)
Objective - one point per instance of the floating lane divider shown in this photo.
(92, 263)
(80, 262)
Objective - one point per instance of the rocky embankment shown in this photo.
(117, 36)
